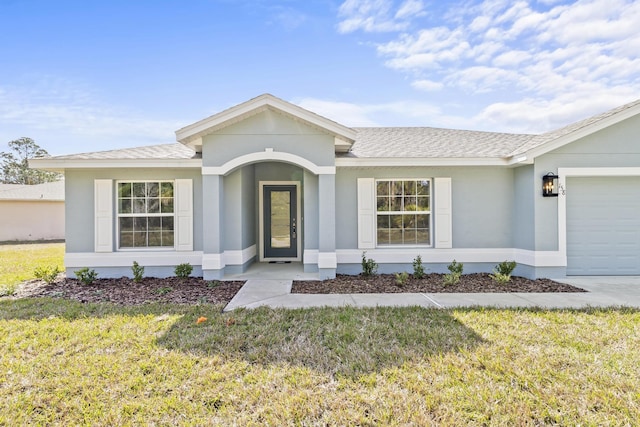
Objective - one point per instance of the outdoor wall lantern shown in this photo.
(549, 185)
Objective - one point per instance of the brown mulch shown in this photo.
(124, 291)
(194, 290)
(431, 283)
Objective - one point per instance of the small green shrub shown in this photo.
(506, 268)
(48, 274)
(138, 272)
(213, 284)
(401, 278)
(500, 278)
(163, 291)
(183, 270)
(455, 267)
(453, 277)
(502, 272)
(7, 290)
(369, 266)
(86, 276)
(418, 268)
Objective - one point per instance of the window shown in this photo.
(146, 214)
(403, 212)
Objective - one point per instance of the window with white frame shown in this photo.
(403, 212)
(145, 214)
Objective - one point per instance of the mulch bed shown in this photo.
(431, 283)
(124, 291)
(194, 290)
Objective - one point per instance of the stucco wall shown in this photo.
(482, 203)
(268, 130)
(616, 146)
(524, 194)
(31, 220)
(79, 207)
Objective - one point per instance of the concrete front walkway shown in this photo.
(602, 292)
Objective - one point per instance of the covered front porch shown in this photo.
(261, 215)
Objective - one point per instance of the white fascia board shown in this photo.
(254, 106)
(420, 161)
(62, 164)
(126, 258)
(582, 132)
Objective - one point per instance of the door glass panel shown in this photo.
(280, 219)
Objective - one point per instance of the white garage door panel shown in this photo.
(603, 226)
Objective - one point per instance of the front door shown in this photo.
(280, 222)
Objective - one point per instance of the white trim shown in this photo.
(61, 164)
(239, 257)
(103, 215)
(419, 161)
(443, 218)
(366, 213)
(327, 260)
(268, 155)
(261, 185)
(183, 219)
(213, 262)
(256, 105)
(563, 174)
(470, 255)
(310, 256)
(125, 259)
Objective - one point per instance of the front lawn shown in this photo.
(66, 363)
(19, 261)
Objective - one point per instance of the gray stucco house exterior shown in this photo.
(269, 181)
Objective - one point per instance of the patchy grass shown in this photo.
(65, 363)
(19, 262)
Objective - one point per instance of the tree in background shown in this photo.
(15, 166)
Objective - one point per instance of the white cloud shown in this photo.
(537, 115)
(401, 113)
(70, 119)
(546, 52)
(378, 15)
(427, 85)
(410, 9)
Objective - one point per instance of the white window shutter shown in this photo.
(443, 220)
(366, 213)
(103, 213)
(183, 193)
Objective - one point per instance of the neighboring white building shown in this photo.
(32, 212)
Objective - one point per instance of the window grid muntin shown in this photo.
(403, 212)
(139, 228)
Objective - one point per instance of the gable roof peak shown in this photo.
(192, 135)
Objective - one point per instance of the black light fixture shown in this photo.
(549, 185)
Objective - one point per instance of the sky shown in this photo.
(92, 75)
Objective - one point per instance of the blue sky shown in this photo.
(92, 75)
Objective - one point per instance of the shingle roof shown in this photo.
(398, 142)
(544, 138)
(50, 191)
(157, 152)
(414, 142)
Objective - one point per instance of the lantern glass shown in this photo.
(549, 185)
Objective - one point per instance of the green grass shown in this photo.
(19, 262)
(65, 363)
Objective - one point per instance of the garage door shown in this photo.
(603, 226)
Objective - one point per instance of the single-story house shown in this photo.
(268, 181)
(32, 212)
